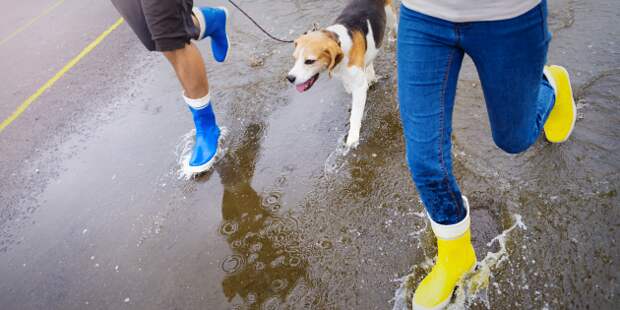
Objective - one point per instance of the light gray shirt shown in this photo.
(471, 10)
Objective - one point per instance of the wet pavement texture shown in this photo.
(94, 213)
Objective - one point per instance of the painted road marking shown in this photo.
(30, 22)
(22, 107)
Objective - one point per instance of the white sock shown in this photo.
(199, 103)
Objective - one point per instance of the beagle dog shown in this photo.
(346, 50)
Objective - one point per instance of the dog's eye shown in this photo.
(310, 61)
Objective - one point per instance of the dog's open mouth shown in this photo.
(308, 84)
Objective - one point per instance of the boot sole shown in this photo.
(570, 87)
(226, 31)
(208, 165)
(438, 307)
(203, 23)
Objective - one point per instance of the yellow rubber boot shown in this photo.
(455, 258)
(561, 121)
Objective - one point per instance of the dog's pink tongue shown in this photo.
(302, 87)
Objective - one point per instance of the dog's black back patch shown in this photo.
(358, 12)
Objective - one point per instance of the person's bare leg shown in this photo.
(190, 69)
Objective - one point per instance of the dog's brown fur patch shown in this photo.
(357, 54)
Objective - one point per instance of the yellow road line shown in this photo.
(32, 21)
(22, 107)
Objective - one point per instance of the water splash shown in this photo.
(184, 153)
(404, 294)
(473, 287)
(337, 158)
(416, 233)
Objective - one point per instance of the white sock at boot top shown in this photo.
(202, 24)
(448, 232)
(199, 103)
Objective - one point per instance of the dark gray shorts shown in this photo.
(161, 25)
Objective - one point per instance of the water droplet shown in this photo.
(232, 263)
(256, 247)
(252, 258)
(259, 266)
(236, 244)
(251, 298)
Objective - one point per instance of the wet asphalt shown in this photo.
(93, 213)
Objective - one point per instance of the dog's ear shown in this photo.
(335, 55)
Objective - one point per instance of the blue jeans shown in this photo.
(509, 56)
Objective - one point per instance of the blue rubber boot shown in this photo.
(207, 139)
(213, 22)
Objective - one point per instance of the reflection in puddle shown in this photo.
(266, 264)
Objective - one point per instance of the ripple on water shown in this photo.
(229, 228)
(279, 284)
(233, 263)
(297, 294)
(325, 244)
(251, 298)
(273, 303)
(272, 201)
(294, 261)
(236, 244)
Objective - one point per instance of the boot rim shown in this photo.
(202, 23)
(549, 75)
(226, 29)
(452, 231)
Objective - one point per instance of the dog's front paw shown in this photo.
(374, 80)
(352, 142)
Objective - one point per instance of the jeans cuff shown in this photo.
(448, 232)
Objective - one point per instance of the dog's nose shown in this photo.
(291, 78)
